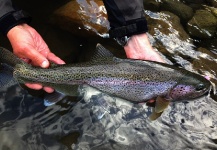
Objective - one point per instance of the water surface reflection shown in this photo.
(98, 121)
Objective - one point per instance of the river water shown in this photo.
(100, 122)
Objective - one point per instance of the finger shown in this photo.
(155, 57)
(34, 86)
(48, 89)
(52, 57)
(26, 60)
(37, 58)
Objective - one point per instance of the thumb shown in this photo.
(37, 59)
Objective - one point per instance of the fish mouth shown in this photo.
(190, 96)
(205, 93)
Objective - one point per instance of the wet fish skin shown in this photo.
(133, 80)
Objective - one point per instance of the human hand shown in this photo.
(29, 46)
(139, 47)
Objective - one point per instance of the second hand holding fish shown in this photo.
(139, 47)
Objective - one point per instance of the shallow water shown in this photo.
(98, 121)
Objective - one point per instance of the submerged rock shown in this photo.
(82, 16)
(183, 11)
(206, 63)
(210, 44)
(167, 23)
(212, 3)
(202, 25)
(168, 35)
(213, 10)
(152, 5)
(194, 1)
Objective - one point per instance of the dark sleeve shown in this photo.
(126, 17)
(11, 16)
(5, 7)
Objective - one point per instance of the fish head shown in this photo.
(189, 87)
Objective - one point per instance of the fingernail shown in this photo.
(44, 64)
(62, 63)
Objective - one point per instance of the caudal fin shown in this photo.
(6, 77)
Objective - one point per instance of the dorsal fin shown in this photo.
(101, 52)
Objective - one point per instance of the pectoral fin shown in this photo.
(53, 98)
(161, 104)
(61, 91)
(154, 115)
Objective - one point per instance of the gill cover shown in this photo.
(189, 87)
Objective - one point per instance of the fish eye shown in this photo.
(200, 87)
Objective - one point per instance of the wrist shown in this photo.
(133, 27)
(12, 19)
(139, 47)
(10, 34)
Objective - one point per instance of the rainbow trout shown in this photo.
(132, 80)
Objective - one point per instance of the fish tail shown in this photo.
(6, 76)
(7, 57)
